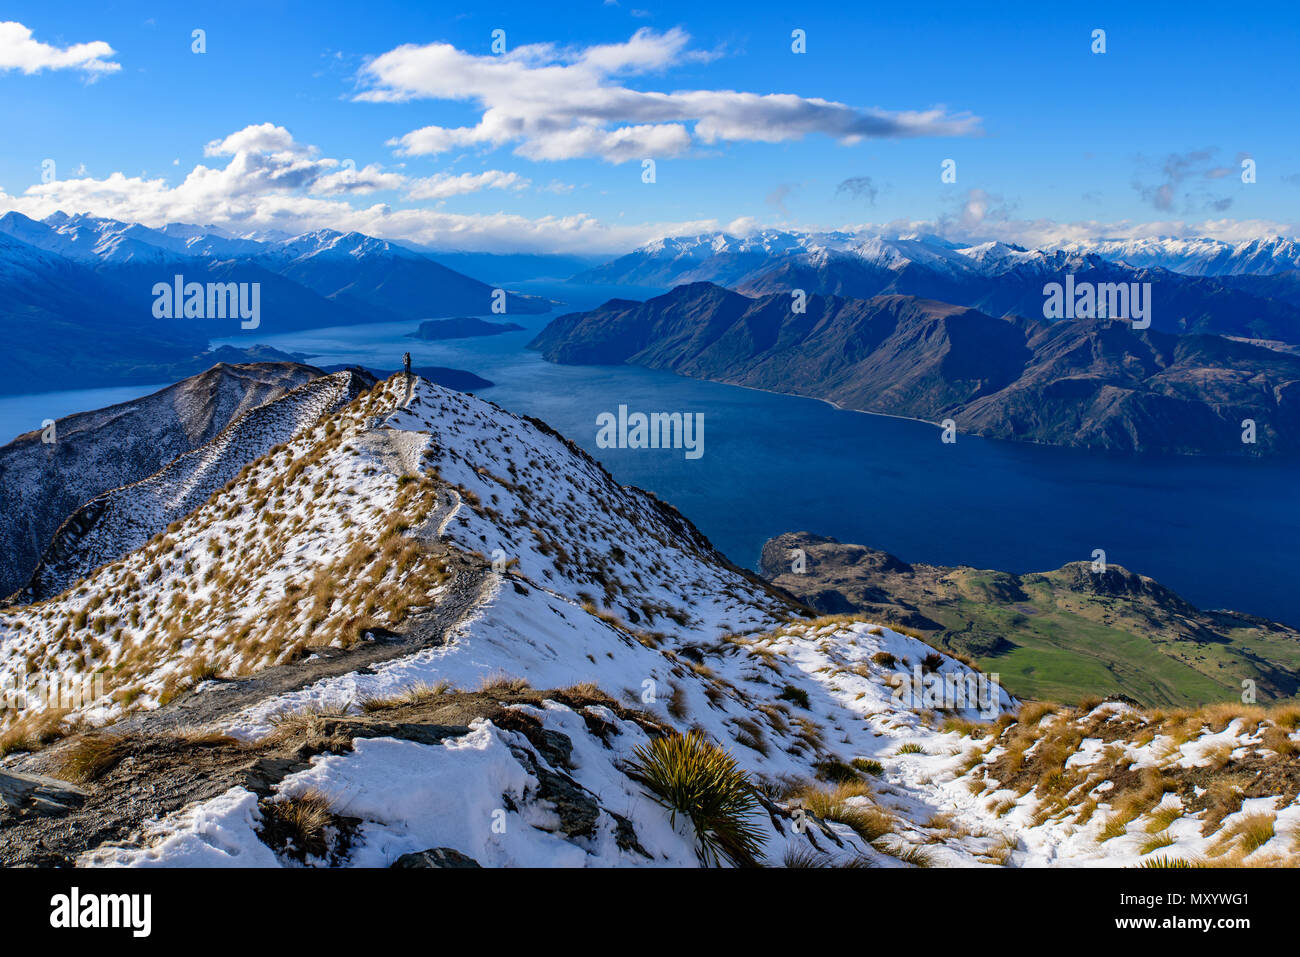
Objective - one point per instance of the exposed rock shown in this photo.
(435, 857)
(33, 795)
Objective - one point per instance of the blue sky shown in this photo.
(1051, 140)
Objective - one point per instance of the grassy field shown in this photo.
(1069, 645)
(1067, 634)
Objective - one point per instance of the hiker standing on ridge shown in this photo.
(406, 364)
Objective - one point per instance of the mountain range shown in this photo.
(727, 259)
(1088, 383)
(1246, 289)
(77, 299)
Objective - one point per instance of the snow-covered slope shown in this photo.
(443, 632)
(121, 520)
(46, 475)
(1199, 257)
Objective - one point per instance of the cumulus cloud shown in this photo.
(558, 103)
(19, 50)
(442, 185)
(272, 182)
(984, 217)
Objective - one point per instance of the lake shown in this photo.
(1223, 533)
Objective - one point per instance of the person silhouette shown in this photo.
(406, 364)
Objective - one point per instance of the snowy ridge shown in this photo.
(85, 238)
(543, 623)
(120, 521)
(42, 484)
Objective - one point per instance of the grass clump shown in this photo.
(91, 756)
(1250, 832)
(298, 824)
(869, 821)
(1156, 841)
(868, 766)
(796, 695)
(691, 776)
(837, 771)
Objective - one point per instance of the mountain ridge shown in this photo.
(1096, 384)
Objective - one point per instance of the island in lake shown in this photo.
(464, 327)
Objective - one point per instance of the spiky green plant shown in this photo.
(690, 775)
(868, 766)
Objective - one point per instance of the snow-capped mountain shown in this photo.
(730, 260)
(77, 293)
(997, 278)
(427, 632)
(1200, 257)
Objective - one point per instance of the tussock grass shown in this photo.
(299, 824)
(1156, 841)
(90, 756)
(417, 694)
(1246, 835)
(836, 771)
(1032, 712)
(34, 731)
(691, 776)
(907, 853)
(1162, 817)
(838, 804)
(502, 683)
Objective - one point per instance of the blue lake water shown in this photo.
(1225, 534)
(25, 413)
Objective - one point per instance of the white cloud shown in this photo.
(19, 50)
(258, 138)
(562, 103)
(271, 181)
(443, 185)
(1048, 233)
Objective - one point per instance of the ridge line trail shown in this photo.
(469, 586)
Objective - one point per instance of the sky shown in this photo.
(527, 126)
